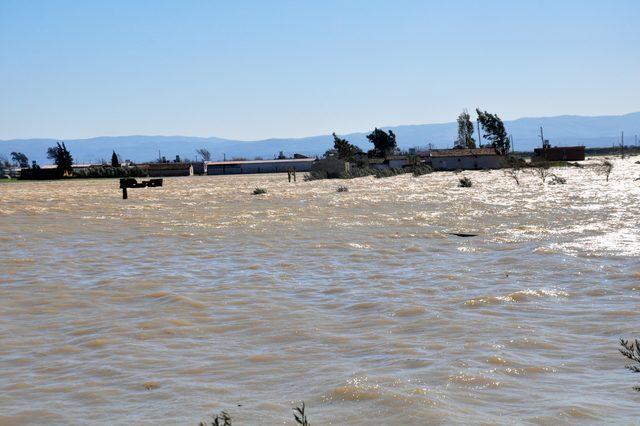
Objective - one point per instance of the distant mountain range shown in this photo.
(566, 130)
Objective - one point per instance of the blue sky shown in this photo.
(258, 69)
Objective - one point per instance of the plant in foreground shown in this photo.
(465, 182)
(342, 188)
(631, 350)
(224, 419)
(259, 191)
(300, 415)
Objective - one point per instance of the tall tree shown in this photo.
(344, 149)
(62, 157)
(494, 131)
(204, 153)
(20, 159)
(114, 160)
(384, 143)
(465, 132)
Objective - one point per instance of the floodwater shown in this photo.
(199, 297)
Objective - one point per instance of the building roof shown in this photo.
(166, 166)
(238, 163)
(462, 152)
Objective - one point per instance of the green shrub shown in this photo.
(259, 191)
(384, 173)
(357, 172)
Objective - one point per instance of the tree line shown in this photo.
(385, 143)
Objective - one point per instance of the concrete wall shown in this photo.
(467, 162)
(276, 166)
(333, 167)
(160, 171)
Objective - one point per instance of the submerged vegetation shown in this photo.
(631, 350)
(605, 168)
(224, 419)
(465, 182)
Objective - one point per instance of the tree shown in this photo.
(465, 132)
(114, 160)
(204, 153)
(62, 157)
(494, 131)
(20, 159)
(344, 149)
(4, 164)
(384, 143)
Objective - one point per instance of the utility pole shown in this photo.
(622, 145)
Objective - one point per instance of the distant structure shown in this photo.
(167, 169)
(466, 159)
(258, 166)
(557, 153)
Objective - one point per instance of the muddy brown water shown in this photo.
(199, 296)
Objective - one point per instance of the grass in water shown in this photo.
(224, 419)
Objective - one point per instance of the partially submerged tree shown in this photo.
(204, 153)
(384, 143)
(515, 168)
(344, 149)
(20, 159)
(465, 132)
(115, 162)
(605, 168)
(62, 157)
(513, 174)
(494, 131)
(543, 172)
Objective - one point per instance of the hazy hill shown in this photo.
(601, 131)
